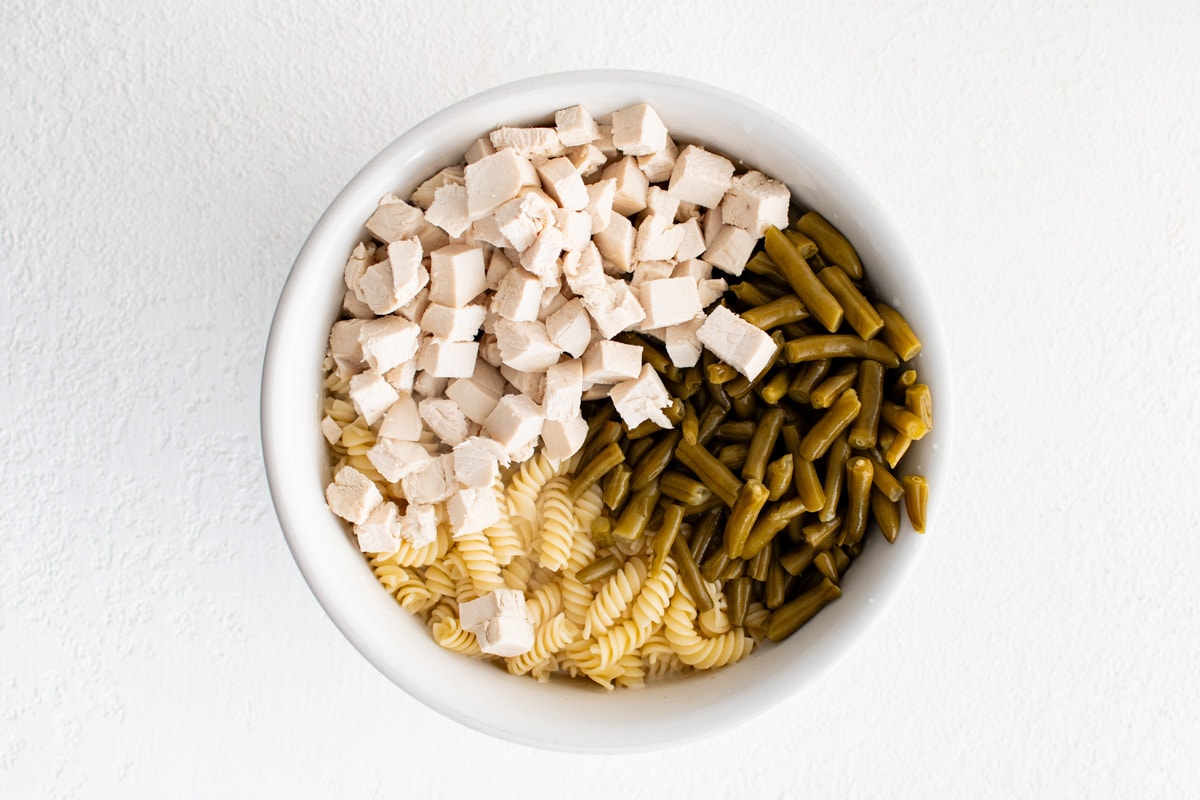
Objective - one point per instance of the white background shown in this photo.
(161, 166)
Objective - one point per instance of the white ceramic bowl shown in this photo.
(571, 715)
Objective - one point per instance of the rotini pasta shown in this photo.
(612, 600)
(506, 544)
(557, 529)
(550, 638)
(696, 650)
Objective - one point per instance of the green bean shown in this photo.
(916, 498)
(668, 531)
(602, 532)
(638, 448)
(808, 485)
(656, 461)
(719, 374)
(858, 497)
(797, 560)
(693, 380)
(769, 524)
(776, 590)
(746, 508)
(651, 355)
(829, 426)
(636, 515)
(896, 449)
(599, 569)
(832, 244)
(737, 599)
(688, 491)
(798, 330)
(715, 564)
(807, 379)
(733, 456)
(886, 513)
(703, 533)
(821, 535)
(735, 431)
(839, 345)
(616, 486)
(745, 407)
(884, 480)
(795, 530)
(865, 429)
(903, 420)
(799, 275)
(596, 469)
(643, 429)
(789, 617)
(711, 472)
(826, 566)
(750, 294)
(608, 433)
(690, 574)
(603, 414)
(716, 393)
(734, 569)
(832, 387)
(711, 504)
(860, 314)
(835, 475)
(738, 387)
(780, 311)
(690, 427)
(919, 400)
(762, 444)
(775, 388)
(756, 567)
(897, 332)
(710, 419)
(761, 264)
(779, 476)
(804, 245)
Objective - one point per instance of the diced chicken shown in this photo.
(449, 209)
(575, 227)
(395, 220)
(456, 275)
(599, 391)
(389, 284)
(486, 230)
(500, 622)
(424, 195)
(755, 202)
(432, 237)
(562, 439)
(526, 346)
(638, 130)
(694, 268)
(444, 418)
(345, 347)
(629, 194)
(489, 351)
(564, 389)
(657, 238)
(650, 271)
(494, 180)
(614, 308)
(454, 324)
(528, 142)
(371, 395)
(430, 484)
(522, 218)
(395, 458)
(516, 422)
(658, 165)
(388, 341)
(401, 378)
(352, 495)
(428, 385)
(519, 296)
(669, 301)
(499, 603)
(641, 399)
(600, 203)
(562, 182)
(570, 328)
(687, 211)
(477, 461)
(575, 126)
(615, 242)
(402, 420)
(413, 309)
(587, 159)
(661, 203)
(604, 141)
(587, 274)
(354, 307)
(530, 384)
(506, 637)
(730, 249)
(498, 266)
(611, 362)
(442, 358)
(552, 300)
(542, 256)
(711, 290)
(478, 150)
(330, 429)
(419, 524)
(682, 343)
(700, 177)
(380, 531)
(475, 400)
(736, 342)
(472, 510)
(691, 244)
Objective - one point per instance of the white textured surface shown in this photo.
(160, 169)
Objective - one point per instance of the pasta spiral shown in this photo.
(480, 562)
(557, 530)
(612, 600)
(696, 650)
(523, 490)
(550, 638)
(506, 544)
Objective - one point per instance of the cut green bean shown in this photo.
(916, 498)
(741, 431)
(896, 449)
(603, 414)
(804, 245)
(737, 599)
(663, 540)
(716, 393)
(608, 433)
(693, 380)
(745, 407)
(636, 515)
(780, 311)
(831, 243)
(602, 532)
(797, 560)
(821, 535)
(832, 387)
(761, 264)
(886, 514)
(734, 569)
(599, 569)
(769, 524)
(638, 448)
(616, 486)
(690, 427)
(733, 456)
(788, 618)
(860, 314)
(898, 333)
(864, 431)
(839, 345)
(715, 564)
(903, 420)
(719, 374)
(830, 426)
(826, 566)
(808, 378)
(858, 497)
(835, 476)
(703, 533)
(762, 444)
(779, 476)
(738, 387)
(885, 481)
(919, 400)
(655, 461)
(776, 590)
(756, 567)
(689, 573)
(651, 355)
(688, 491)
(596, 469)
(774, 389)
(711, 472)
(713, 503)
(799, 275)
(750, 294)
(710, 419)
(746, 508)
(808, 484)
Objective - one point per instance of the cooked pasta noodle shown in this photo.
(557, 530)
(616, 595)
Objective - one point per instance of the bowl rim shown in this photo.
(329, 222)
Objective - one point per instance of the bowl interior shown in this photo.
(570, 715)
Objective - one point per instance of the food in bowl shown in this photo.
(604, 406)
